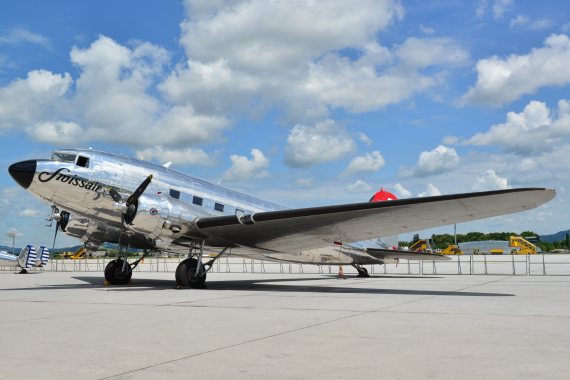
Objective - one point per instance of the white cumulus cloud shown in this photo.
(183, 156)
(58, 132)
(311, 145)
(430, 191)
(436, 161)
(490, 181)
(243, 168)
(502, 80)
(111, 100)
(368, 163)
(358, 186)
(25, 102)
(535, 130)
(239, 58)
(402, 192)
(29, 213)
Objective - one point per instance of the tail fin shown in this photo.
(382, 196)
(43, 257)
(28, 257)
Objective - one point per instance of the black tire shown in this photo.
(185, 275)
(115, 274)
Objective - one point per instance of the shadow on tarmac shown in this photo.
(269, 285)
(265, 285)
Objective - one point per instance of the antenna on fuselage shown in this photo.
(167, 165)
(220, 180)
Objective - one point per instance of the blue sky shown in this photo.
(304, 103)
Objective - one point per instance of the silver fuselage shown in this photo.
(78, 181)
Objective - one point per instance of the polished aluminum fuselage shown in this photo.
(170, 199)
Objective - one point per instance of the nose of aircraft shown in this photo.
(23, 172)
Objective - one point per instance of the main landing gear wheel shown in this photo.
(362, 272)
(186, 275)
(118, 272)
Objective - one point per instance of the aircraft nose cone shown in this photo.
(23, 172)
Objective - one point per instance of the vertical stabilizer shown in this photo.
(28, 257)
(43, 257)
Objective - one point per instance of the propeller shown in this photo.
(130, 206)
(61, 219)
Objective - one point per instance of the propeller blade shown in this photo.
(115, 195)
(134, 197)
(55, 236)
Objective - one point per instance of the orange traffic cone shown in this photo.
(340, 272)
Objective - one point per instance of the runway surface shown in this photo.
(259, 326)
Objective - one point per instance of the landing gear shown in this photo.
(362, 272)
(188, 275)
(118, 272)
(191, 272)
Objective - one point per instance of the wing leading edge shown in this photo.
(297, 230)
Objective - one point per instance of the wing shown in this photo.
(298, 230)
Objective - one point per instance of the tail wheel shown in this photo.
(117, 273)
(186, 275)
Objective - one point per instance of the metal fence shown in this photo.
(523, 265)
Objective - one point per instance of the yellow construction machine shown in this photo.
(452, 250)
(524, 246)
(79, 254)
(422, 245)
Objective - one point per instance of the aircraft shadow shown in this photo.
(263, 285)
(287, 285)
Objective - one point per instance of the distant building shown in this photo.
(485, 247)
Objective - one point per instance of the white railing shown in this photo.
(525, 265)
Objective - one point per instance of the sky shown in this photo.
(303, 103)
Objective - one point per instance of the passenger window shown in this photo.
(175, 194)
(219, 207)
(197, 201)
(82, 161)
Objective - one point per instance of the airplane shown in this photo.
(27, 259)
(103, 197)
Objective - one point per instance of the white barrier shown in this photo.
(524, 265)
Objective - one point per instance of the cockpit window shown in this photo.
(63, 157)
(82, 161)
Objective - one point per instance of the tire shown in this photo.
(185, 275)
(115, 275)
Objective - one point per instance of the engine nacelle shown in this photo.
(91, 232)
(157, 216)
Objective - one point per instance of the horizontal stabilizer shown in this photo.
(404, 255)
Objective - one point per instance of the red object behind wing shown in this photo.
(382, 196)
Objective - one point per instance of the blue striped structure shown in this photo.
(44, 256)
(31, 257)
